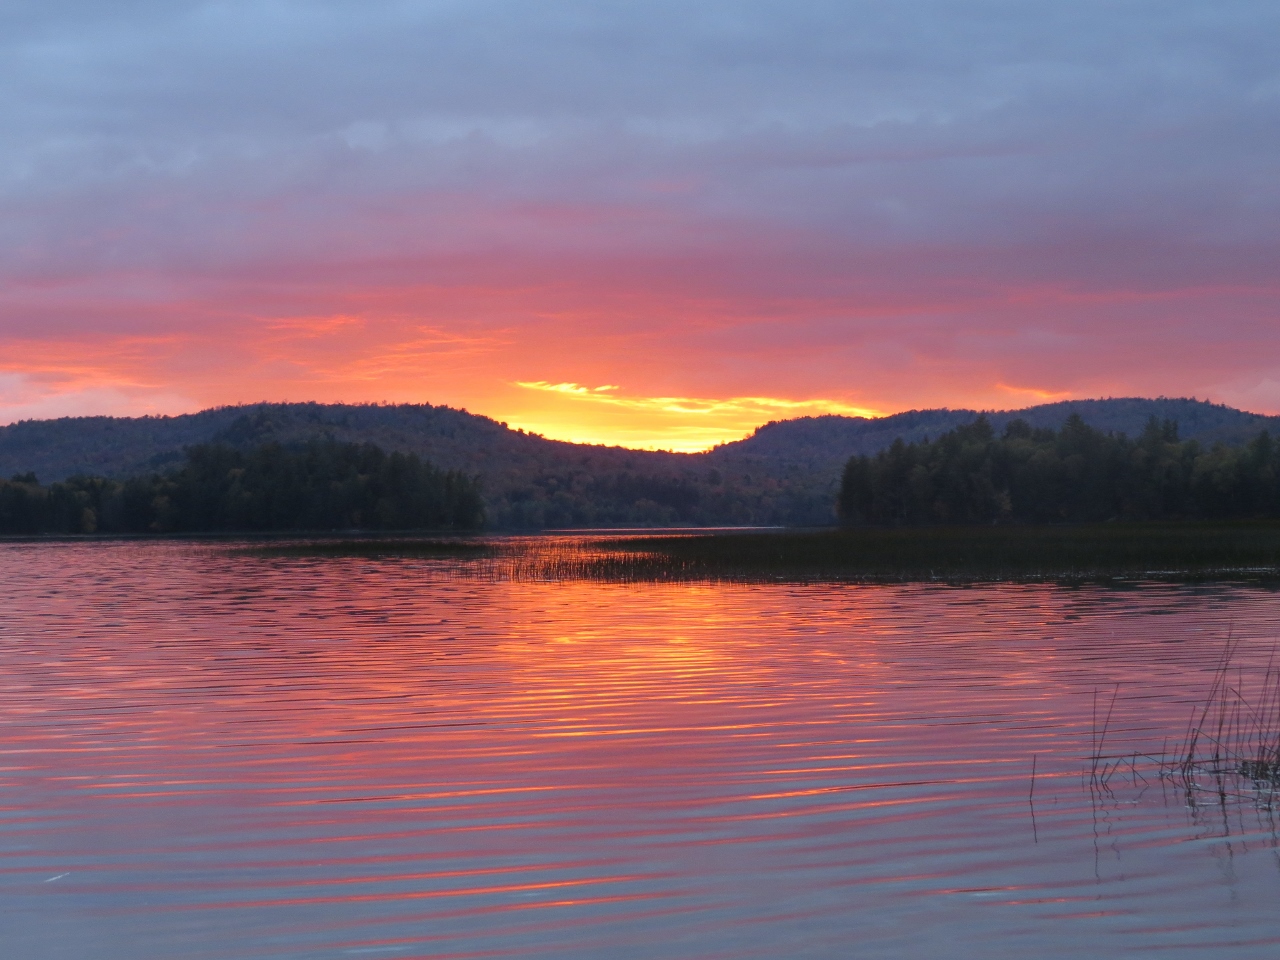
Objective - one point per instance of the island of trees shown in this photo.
(320, 485)
(1077, 473)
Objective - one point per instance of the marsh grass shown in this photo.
(1230, 751)
(1085, 552)
(1232, 746)
(1071, 553)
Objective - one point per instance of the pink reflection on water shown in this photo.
(229, 755)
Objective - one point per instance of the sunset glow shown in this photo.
(805, 211)
(682, 424)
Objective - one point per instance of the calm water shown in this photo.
(217, 756)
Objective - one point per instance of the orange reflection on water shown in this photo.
(326, 754)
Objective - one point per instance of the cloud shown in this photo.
(700, 407)
(27, 398)
(573, 390)
(684, 424)
(905, 204)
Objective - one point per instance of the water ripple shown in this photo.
(209, 754)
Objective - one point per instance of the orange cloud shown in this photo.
(706, 349)
(683, 424)
(1032, 395)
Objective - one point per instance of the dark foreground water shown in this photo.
(217, 756)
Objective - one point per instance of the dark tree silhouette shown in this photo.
(321, 485)
(1077, 473)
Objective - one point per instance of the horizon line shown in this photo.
(639, 449)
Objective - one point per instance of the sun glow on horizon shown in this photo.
(602, 415)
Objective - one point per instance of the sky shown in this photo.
(657, 224)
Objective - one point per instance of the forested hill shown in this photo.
(973, 475)
(528, 481)
(817, 441)
(319, 485)
(785, 473)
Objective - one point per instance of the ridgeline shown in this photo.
(786, 473)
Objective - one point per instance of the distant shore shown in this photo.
(1106, 551)
(1175, 551)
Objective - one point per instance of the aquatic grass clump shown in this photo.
(1230, 752)
(1229, 755)
(1234, 740)
(950, 554)
(979, 553)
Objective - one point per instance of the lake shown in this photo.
(214, 754)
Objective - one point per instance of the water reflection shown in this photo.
(208, 755)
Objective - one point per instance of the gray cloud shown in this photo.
(1091, 143)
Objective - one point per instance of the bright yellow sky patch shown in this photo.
(582, 414)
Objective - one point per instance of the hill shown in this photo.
(529, 481)
(819, 441)
(787, 472)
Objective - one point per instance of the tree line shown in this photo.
(320, 485)
(1077, 473)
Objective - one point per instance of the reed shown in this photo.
(1068, 553)
(1232, 746)
(1230, 750)
(1084, 552)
